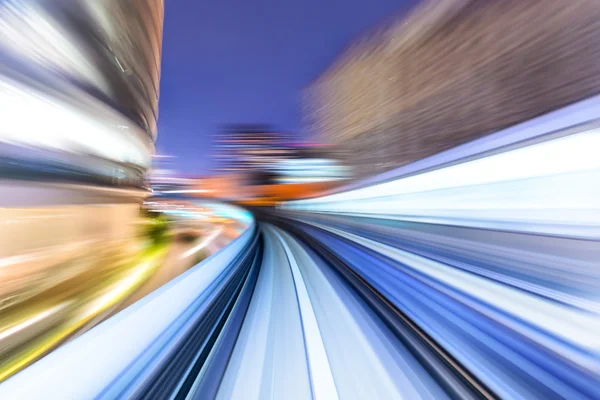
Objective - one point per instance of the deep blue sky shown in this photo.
(246, 61)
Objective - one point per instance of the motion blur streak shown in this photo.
(276, 354)
(141, 338)
(494, 257)
(543, 188)
(348, 296)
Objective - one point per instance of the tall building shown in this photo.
(251, 148)
(452, 71)
(79, 87)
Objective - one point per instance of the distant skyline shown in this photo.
(236, 61)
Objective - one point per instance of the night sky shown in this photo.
(246, 61)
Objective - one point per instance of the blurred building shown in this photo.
(248, 148)
(260, 165)
(79, 87)
(451, 71)
(78, 108)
